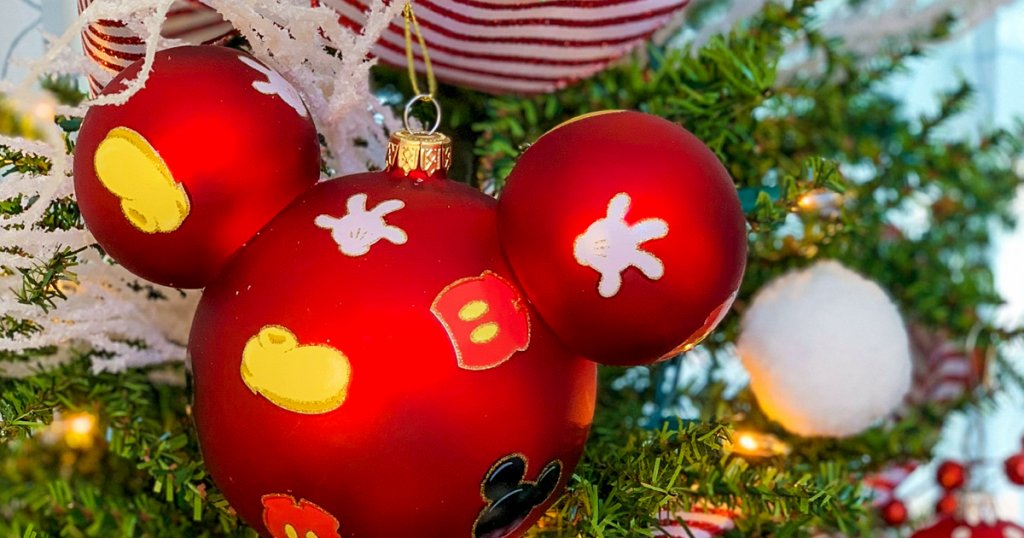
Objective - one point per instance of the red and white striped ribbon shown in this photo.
(520, 46)
(501, 46)
(698, 522)
(943, 370)
(112, 46)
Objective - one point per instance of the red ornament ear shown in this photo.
(626, 233)
(175, 180)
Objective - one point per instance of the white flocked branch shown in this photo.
(103, 310)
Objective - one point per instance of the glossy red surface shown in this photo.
(284, 517)
(241, 155)
(409, 450)
(564, 183)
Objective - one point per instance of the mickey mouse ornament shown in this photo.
(626, 233)
(402, 384)
(165, 183)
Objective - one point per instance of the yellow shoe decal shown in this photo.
(308, 379)
(128, 166)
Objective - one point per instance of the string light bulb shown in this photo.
(757, 444)
(44, 109)
(36, 115)
(822, 201)
(77, 430)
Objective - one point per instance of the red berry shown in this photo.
(1014, 466)
(951, 475)
(947, 504)
(894, 513)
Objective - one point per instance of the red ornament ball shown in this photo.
(947, 505)
(626, 233)
(951, 475)
(894, 513)
(367, 367)
(953, 527)
(175, 180)
(1014, 467)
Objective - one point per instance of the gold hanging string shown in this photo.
(410, 25)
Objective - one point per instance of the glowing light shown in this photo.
(45, 109)
(68, 287)
(807, 202)
(79, 430)
(747, 441)
(757, 444)
(825, 202)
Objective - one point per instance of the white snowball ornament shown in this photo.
(827, 351)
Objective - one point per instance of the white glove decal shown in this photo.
(276, 85)
(359, 229)
(610, 246)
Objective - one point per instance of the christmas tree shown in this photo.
(98, 433)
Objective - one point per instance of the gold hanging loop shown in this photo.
(419, 155)
(412, 24)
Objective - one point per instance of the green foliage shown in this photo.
(12, 161)
(65, 89)
(627, 477)
(144, 478)
(40, 284)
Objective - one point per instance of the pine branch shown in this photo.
(65, 89)
(145, 475)
(40, 284)
(12, 161)
(625, 480)
(11, 326)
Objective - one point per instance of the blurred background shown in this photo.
(990, 56)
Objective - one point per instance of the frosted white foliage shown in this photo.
(106, 306)
(827, 351)
(292, 38)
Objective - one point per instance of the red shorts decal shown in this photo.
(287, 518)
(486, 319)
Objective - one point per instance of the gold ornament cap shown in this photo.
(419, 155)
